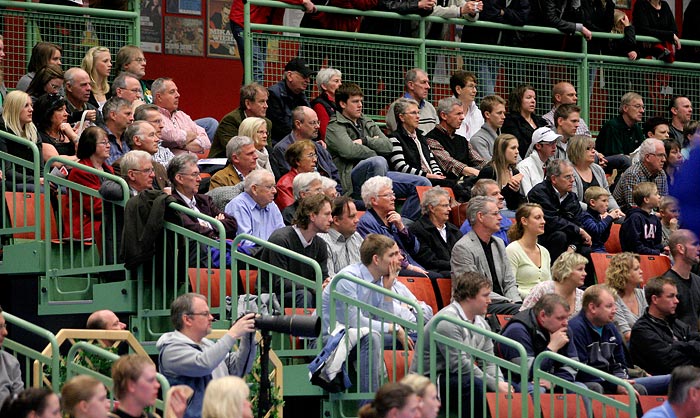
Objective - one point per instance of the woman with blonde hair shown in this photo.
(17, 120)
(530, 261)
(581, 152)
(568, 275)
(426, 391)
(502, 169)
(624, 275)
(392, 400)
(98, 64)
(256, 128)
(85, 397)
(227, 397)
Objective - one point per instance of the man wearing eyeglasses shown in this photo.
(126, 86)
(417, 88)
(10, 374)
(118, 115)
(286, 96)
(650, 167)
(187, 357)
(623, 133)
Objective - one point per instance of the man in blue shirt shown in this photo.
(683, 395)
(489, 188)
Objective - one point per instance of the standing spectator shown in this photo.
(98, 64)
(558, 14)
(624, 275)
(655, 18)
(180, 133)
(529, 260)
(650, 168)
(328, 80)
(681, 112)
(463, 86)
(43, 54)
(493, 111)
(502, 168)
(691, 30)
(568, 275)
(287, 95)
(544, 145)
(622, 134)
(417, 84)
(10, 374)
(521, 120)
(685, 250)
(253, 104)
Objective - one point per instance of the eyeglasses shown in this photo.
(193, 175)
(638, 106)
(414, 113)
(3, 325)
(137, 91)
(145, 170)
(567, 177)
(105, 143)
(443, 205)
(262, 132)
(267, 186)
(387, 195)
(311, 155)
(470, 86)
(314, 123)
(494, 213)
(661, 156)
(205, 314)
(140, 60)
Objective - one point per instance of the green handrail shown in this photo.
(70, 10)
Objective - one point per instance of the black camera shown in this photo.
(296, 325)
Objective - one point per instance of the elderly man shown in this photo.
(303, 185)
(562, 211)
(10, 374)
(151, 113)
(685, 250)
(255, 210)
(128, 87)
(623, 133)
(188, 358)
(489, 188)
(241, 153)
(681, 111)
(287, 95)
(142, 136)
(544, 146)
(253, 104)
(480, 251)
(417, 85)
(76, 83)
(683, 395)
(118, 115)
(180, 133)
(565, 93)
(650, 167)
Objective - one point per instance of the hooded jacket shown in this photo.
(641, 233)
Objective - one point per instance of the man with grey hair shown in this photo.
(128, 87)
(562, 211)
(623, 133)
(255, 209)
(479, 251)
(650, 167)
(76, 83)
(242, 158)
(142, 136)
(151, 113)
(118, 115)
(685, 250)
(303, 185)
(287, 95)
(683, 395)
(417, 85)
(188, 358)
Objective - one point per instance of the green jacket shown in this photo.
(341, 133)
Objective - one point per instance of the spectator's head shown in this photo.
(254, 100)
(43, 54)
(306, 184)
(656, 127)
(150, 114)
(165, 94)
(255, 128)
(552, 312)
(685, 247)
(684, 390)
(349, 98)
(436, 206)
(135, 382)
(623, 272)
(619, 21)
(505, 153)
(674, 158)
(567, 119)
(227, 397)
(483, 215)
(426, 391)
(451, 113)
(680, 110)
(378, 194)
(522, 100)
(183, 173)
(3, 327)
(93, 141)
(117, 114)
(528, 218)
(563, 93)
(49, 112)
(581, 150)
(328, 80)
(301, 155)
(314, 214)
(488, 188)
(330, 187)
(690, 130)
(190, 315)
(105, 319)
(241, 152)
(653, 155)
(297, 75)
(137, 169)
(417, 84)
(48, 80)
(646, 195)
(345, 217)
(597, 198)
(662, 296)
(130, 58)
(377, 252)
(598, 304)
(97, 62)
(393, 400)
(569, 266)
(84, 397)
(472, 287)
(141, 135)
(260, 185)
(77, 86)
(632, 108)
(463, 86)
(669, 210)
(560, 173)
(493, 109)
(17, 115)
(544, 142)
(127, 86)
(32, 402)
(305, 123)
(407, 114)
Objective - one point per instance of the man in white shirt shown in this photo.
(544, 145)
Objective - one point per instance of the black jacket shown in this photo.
(516, 125)
(565, 216)
(434, 253)
(393, 27)
(281, 102)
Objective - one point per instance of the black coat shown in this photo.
(565, 216)
(434, 253)
(516, 125)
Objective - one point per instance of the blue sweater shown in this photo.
(597, 228)
(641, 233)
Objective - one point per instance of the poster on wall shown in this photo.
(221, 43)
(184, 36)
(185, 7)
(151, 26)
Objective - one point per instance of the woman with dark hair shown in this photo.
(93, 151)
(301, 157)
(51, 120)
(32, 403)
(530, 261)
(502, 169)
(674, 160)
(43, 54)
(521, 120)
(48, 80)
(655, 18)
(393, 400)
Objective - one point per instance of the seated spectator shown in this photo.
(187, 357)
(105, 319)
(641, 231)
(32, 402)
(76, 83)
(328, 80)
(303, 185)
(436, 235)
(668, 213)
(480, 251)
(43, 54)
(658, 334)
(51, 121)
(48, 80)
(581, 152)
(84, 397)
(521, 120)
(471, 292)
(656, 19)
(674, 160)
(97, 62)
(130, 58)
(287, 95)
(254, 210)
(180, 133)
(117, 115)
(330, 187)
(568, 275)
(596, 220)
(390, 400)
(685, 250)
(624, 275)
(301, 157)
(135, 386)
(142, 136)
(599, 345)
(342, 238)
(127, 86)
(543, 148)
(11, 377)
(502, 168)
(692, 136)
(561, 208)
(150, 113)
(681, 401)
(529, 260)
(566, 121)
(17, 120)
(256, 128)
(565, 93)
(227, 397)
(649, 169)
(463, 86)
(656, 127)
(312, 217)
(417, 86)
(242, 156)
(489, 188)
(253, 104)
(137, 169)
(622, 134)
(680, 110)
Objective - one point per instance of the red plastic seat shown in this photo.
(612, 245)
(422, 289)
(203, 286)
(601, 261)
(653, 266)
(397, 363)
(500, 403)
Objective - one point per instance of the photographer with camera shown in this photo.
(188, 358)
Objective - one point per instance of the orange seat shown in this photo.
(503, 319)
(560, 405)
(445, 286)
(653, 266)
(202, 287)
(422, 289)
(651, 401)
(422, 189)
(21, 207)
(609, 410)
(249, 279)
(360, 213)
(612, 245)
(500, 403)
(601, 261)
(402, 359)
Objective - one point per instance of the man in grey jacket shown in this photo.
(188, 358)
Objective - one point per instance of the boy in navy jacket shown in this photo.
(641, 231)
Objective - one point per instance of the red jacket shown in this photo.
(87, 221)
(285, 194)
(345, 23)
(259, 14)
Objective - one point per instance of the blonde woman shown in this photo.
(256, 128)
(624, 275)
(98, 64)
(17, 120)
(530, 261)
(426, 391)
(85, 397)
(227, 397)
